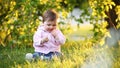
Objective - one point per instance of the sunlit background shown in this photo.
(91, 27)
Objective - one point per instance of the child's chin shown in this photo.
(50, 30)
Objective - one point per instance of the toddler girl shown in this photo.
(48, 39)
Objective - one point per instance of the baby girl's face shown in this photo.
(50, 25)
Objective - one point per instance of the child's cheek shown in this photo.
(55, 27)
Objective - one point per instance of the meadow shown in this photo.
(84, 48)
(77, 54)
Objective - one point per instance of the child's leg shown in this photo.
(48, 56)
(37, 55)
(58, 54)
(42, 56)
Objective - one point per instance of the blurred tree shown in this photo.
(105, 14)
(19, 18)
(108, 10)
(112, 15)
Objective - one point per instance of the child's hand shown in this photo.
(45, 40)
(54, 33)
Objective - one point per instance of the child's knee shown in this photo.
(35, 55)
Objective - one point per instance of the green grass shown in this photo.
(76, 54)
(84, 31)
(10, 56)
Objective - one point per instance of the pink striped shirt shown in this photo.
(52, 45)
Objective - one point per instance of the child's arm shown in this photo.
(59, 37)
(44, 40)
(38, 40)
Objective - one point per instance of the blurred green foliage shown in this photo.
(19, 19)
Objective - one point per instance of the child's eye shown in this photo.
(48, 24)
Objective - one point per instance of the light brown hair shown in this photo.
(50, 15)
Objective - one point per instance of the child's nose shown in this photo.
(51, 27)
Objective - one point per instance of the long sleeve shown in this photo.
(60, 39)
(37, 39)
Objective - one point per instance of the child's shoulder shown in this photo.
(40, 28)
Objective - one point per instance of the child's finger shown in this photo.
(46, 39)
